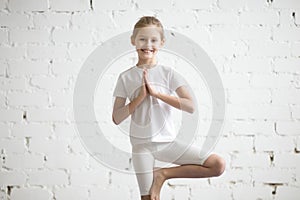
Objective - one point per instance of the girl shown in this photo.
(149, 87)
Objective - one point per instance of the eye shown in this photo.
(154, 40)
(142, 39)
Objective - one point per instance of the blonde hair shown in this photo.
(147, 21)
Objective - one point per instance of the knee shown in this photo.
(219, 166)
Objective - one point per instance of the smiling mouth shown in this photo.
(147, 50)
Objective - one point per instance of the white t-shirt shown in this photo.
(152, 119)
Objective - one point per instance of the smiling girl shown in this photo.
(150, 87)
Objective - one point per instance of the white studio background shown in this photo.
(254, 44)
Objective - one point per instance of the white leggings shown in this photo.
(144, 155)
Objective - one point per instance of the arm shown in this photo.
(122, 111)
(183, 102)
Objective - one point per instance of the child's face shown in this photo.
(147, 42)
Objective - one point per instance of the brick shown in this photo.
(181, 18)
(235, 81)
(224, 32)
(231, 4)
(46, 20)
(39, 99)
(43, 115)
(297, 18)
(13, 146)
(12, 52)
(267, 111)
(275, 144)
(211, 193)
(66, 67)
(156, 4)
(251, 160)
(219, 17)
(112, 5)
(288, 128)
(256, 5)
(271, 80)
(80, 53)
(13, 20)
(3, 5)
(12, 178)
(4, 130)
(259, 17)
(13, 83)
(233, 175)
(272, 175)
(267, 49)
(48, 146)
(249, 64)
(30, 193)
(47, 178)
(240, 144)
(29, 36)
(255, 33)
(284, 96)
(64, 130)
(3, 68)
(11, 115)
(75, 193)
(69, 5)
(27, 67)
(95, 177)
(74, 36)
(109, 193)
(50, 83)
(4, 36)
(253, 128)
(30, 5)
(286, 160)
(295, 49)
(66, 161)
(2, 101)
(47, 52)
(96, 20)
(31, 130)
(236, 112)
(286, 4)
(119, 179)
(289, 34)
(286, 18)
(26, 161)
(252, 192)
(295, 112)
(284, 65)
(249, 96)
(61, 99)
(287, 192)
(181, 193)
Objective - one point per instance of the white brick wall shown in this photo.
(254, 44)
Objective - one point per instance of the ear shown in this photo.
(132, 40)
(162, 43)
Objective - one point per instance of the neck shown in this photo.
(147, 62)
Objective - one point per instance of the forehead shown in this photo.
(148, 31)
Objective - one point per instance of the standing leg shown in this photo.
(143, 163)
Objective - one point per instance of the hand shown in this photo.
(150, 89)
(143, 92)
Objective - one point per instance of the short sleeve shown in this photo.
(120, 88)
(176, 80)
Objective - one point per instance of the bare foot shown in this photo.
(158, 181)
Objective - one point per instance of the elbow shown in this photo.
(191, 110)
(114, 121)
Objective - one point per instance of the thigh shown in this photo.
(180, 154)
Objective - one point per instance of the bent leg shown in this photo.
(191, 167)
